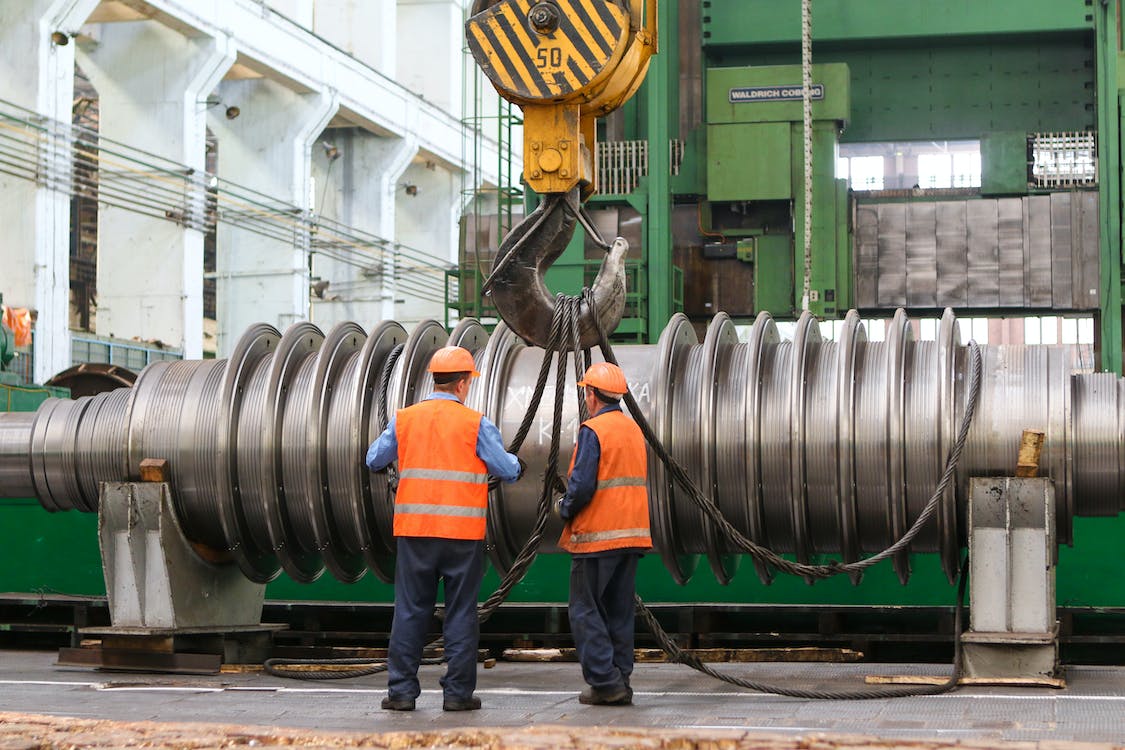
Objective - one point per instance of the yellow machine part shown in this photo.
(565, 63)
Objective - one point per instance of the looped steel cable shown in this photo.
(564, 328)
(278, 668)
(565, 321)
(382, 407)
(679, 656)
(770, 557)
(564, 325)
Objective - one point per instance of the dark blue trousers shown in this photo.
(601, 617)
(421, 563)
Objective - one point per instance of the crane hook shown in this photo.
(516, 283)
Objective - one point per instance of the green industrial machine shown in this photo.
(703, 172)
(34, 541)
(756, 181)
(708, 186)
(7, 348)
(7, 344)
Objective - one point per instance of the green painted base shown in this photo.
(58, 553)
(48, 553)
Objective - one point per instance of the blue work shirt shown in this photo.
(490, 447)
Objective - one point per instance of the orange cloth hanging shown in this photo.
(18, 320)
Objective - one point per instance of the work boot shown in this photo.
(471, 703)
(398, 704)
(617, 696)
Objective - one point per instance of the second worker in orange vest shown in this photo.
(445, 452)
(606, 532)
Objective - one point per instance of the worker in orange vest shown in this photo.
(445, 452)
(607, 530)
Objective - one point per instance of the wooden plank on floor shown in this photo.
(710, 655)
(906, 679)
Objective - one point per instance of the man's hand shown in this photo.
(494, 482)
(556, 506)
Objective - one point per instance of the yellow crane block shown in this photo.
(565, 63)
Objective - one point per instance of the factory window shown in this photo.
(1051, 329)
(957, 169)
(935, 171)
(861, 172)
(910, 165)
(966, 169)
(974, 329)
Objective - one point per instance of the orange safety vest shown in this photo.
(442, 483)
(617, 516)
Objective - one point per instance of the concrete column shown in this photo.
(426, 220)
(267, 148)
(153, 84)
(433, 31)
(359, 190)
(37, 74)
(365, 30)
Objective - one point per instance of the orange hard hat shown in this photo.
(453, 359)
(607, 378)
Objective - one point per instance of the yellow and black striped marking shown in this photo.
(531, 66)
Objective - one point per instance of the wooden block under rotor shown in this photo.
(154, 470)
(1031, 445)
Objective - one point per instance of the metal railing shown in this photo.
(1064, 160)
(131, 354)
(621, 164)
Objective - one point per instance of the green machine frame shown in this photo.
(914, 70)
(994, 70)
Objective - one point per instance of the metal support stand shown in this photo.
(170, 609)
(1013, 632)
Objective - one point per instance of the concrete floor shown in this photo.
(1091, 708)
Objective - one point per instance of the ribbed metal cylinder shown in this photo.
(15, 449)
(807, 446)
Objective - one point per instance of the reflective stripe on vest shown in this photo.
(443, 484)
(617, 516)
(448, 476)
(622, 482)
(441, 510)
(601, 536)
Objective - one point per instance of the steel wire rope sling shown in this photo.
(565, 323)
(767, 556)
(564, 326)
